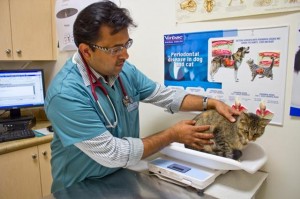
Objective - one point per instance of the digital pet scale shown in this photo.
(188, 167)
(183, 173)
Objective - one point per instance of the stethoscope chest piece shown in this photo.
(127, 100)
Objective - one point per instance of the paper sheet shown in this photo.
(43, 131)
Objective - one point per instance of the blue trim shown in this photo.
(294, 111)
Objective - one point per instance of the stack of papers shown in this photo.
(42, 132)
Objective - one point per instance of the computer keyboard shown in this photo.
(16, 135)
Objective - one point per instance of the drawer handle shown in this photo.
(8, 51)
(44, 153)
(34, 156)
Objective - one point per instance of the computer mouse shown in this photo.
(49, 128)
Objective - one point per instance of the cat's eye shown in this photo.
(256, 135)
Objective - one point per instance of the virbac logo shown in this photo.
(173, 39)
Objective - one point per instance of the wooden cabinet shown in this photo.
(26, 173)
(45, 168)
(5, 31)
(27, 30)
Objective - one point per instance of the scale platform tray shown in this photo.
(253, 158)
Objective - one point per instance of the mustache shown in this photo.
(120, 61)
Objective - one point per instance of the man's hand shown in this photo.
(226, 110)
(184, 132)
(187, 133)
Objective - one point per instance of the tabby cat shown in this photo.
(230, 138)
(258, 70)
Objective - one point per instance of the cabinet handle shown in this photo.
(8, 51)
(34, 156)
(44, 153)
(19, 52)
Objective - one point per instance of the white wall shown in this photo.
(282, 143)
(156, 18)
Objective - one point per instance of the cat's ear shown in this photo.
(265, 121)
(244, 116)
(269, 116)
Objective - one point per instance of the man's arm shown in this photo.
(196, 103)
(183, 132)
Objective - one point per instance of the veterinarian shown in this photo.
(93, 103)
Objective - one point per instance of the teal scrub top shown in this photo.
(75, 117)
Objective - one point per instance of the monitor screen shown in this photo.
(21, 89)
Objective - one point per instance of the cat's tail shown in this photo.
(236, 154)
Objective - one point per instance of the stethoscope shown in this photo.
(96, 83)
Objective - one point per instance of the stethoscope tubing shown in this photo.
(110, 125)
(98, 83)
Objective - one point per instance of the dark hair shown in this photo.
(88, 22)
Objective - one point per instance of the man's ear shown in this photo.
(84, 49)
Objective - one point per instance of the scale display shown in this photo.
(180, 168)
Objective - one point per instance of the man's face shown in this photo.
(103, 62)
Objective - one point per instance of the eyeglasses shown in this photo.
(114, 50)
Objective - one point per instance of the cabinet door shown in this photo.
(5, 30)
(45, 168)
(20, 176)
(32, 30)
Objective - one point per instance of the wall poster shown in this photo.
(247, 65)
(295, 104)
(203, 10)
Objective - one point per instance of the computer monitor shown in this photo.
(21, 89)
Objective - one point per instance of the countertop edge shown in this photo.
(7, 147)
